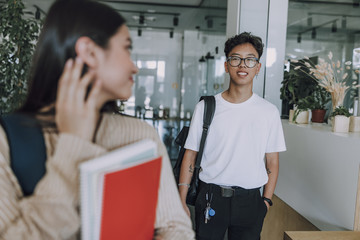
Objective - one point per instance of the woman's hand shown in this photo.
(75, 114)
(157, 236)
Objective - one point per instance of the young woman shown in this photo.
(82, 61)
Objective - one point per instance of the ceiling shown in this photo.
(206, 15)
(210, 15)
(334, 20)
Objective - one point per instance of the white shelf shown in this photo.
(319, 174)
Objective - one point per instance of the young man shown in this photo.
(241, 152)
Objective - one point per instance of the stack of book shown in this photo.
(119, 193)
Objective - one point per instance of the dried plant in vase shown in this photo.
(330, 75)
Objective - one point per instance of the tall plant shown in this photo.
(17, 43)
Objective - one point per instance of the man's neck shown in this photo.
(237, 95)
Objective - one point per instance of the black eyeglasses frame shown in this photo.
(241, 59)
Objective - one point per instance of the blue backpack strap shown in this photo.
(27, 149)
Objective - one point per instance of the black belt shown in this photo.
(229, 191)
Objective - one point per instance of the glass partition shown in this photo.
(317, 28)
(177, 64)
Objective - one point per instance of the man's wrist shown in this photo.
(268, 200)
(184, 184)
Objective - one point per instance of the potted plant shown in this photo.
(17, 43)
(294, 92)
(354, 124)
(340, 119)
(318, 100)
(300, 113)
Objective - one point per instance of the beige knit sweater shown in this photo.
(52, 212)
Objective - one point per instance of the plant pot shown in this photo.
(340, 124)
(354, 124)
(302, 117)
(317, 115)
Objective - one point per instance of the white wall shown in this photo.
(318, 174)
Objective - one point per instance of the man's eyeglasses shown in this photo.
(235, 61)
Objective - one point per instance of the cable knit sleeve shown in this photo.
(52, 211)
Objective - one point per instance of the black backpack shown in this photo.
(209, 110)
(27, 149)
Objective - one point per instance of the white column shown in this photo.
(232, 18)
(266, 19)
(232, 26)
(276, 45)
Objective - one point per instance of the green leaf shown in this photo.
(18, 36)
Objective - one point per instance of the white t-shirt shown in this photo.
(238, 138)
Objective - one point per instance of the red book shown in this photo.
(129, 202)
(119, 193)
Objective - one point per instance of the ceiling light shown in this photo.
(150, 18)
(343, 22)
(309, 21)
(209, 23)
(313, 34)
(141, 19)
(356, 3)
(334, 27)
(176, 21)
(209, 56)
(37, 13)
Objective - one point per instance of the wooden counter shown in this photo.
(316, 235)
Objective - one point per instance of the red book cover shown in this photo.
(129, 202)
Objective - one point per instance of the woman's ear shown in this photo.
(85, 48)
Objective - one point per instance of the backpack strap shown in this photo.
(209, 110)
(27, 149)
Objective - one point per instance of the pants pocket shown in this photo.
(265, 209)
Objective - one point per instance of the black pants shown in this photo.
(242, 214)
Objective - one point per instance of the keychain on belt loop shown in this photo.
(209, 212)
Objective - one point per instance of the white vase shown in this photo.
(354, 124)
(302, 117)
(340, 124)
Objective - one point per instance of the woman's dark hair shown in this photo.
(66, 22)
(242, 38)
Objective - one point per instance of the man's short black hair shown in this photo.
(245, 37)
